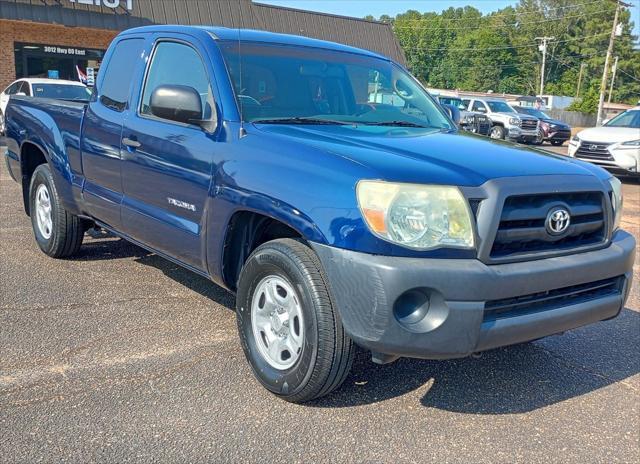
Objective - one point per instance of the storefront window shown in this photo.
(57, 62)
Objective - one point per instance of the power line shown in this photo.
(475, 49)
(628, 75)
(499, 26)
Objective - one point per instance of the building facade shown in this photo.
(64, 38)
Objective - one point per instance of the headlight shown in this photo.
(575, 138)
(630, 144)
(514, 121)
(416, 216)
(616, 201)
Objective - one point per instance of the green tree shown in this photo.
(460, 48)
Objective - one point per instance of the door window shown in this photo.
(116, 80)
(24, 88)
(479, 106)
(175, 63)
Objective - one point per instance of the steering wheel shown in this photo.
(247, 99)
(404, 94)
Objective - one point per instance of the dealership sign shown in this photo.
(128, 4)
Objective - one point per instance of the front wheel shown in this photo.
(290, 330)
(58, 233)
(497, 132)
(539, 138)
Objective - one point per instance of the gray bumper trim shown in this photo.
(365, 288)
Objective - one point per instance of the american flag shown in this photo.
(82, 77)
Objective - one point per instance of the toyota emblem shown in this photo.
(558, 221)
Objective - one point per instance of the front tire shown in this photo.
(59, 233)
(497, 132)
(290, 330)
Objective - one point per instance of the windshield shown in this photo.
(629, 118)
(61, 91)
(500, 107)
(457, 102)
(534, 112)
(301, 85)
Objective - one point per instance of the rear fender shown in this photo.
(44, 134)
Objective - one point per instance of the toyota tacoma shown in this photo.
(267, 164)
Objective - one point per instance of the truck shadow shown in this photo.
(110, 248)
(510, 380)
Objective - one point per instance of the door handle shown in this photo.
(131, 143)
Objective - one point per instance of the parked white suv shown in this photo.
(43, 88)
(615, 145)
(506, 123)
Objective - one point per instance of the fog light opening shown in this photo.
(420, 310)
(411, 307)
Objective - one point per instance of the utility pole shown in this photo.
(543, 49)
(613, 78)
(582, 65)
(605, 72)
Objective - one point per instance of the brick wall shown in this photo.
(49, 34)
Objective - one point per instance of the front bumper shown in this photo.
(370, 292)
(559, 136)
(622, 161)
(519, 135)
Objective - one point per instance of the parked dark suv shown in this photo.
(551, 130)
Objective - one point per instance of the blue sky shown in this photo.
(360, 8)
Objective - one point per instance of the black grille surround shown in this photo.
(552, 299)
(522, 228)
(593, 151)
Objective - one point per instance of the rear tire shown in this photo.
(557, 143)
(497, 132)
(59, 233)
(284, 301)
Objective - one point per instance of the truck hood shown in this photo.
(609, 134)
(428, 155)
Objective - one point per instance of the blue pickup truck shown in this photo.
(323, 186)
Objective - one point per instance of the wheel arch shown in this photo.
(32, 155)
(245, 231)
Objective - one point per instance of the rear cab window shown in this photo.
(116, 80)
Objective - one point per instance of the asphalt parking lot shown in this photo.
(119, 355)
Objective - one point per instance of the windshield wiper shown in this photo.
(298, 120)
(391, 123)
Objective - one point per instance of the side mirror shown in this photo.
(178, 103)
(481, 109)
(453, 112)
(20, 94)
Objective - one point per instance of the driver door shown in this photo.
(167, 165)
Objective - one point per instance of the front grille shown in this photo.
(594, 150)
(552, 299)
(523, 231)
(529, 124)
